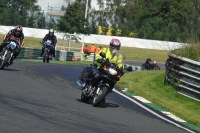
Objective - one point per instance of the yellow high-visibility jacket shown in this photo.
(118, 58)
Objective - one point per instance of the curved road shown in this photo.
(44, 98)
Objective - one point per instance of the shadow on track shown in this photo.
(102, 105)
(9, 69)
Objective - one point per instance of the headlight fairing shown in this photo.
(112, 71)
(13, 45)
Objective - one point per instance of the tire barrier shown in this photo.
(32, 53)
(28, 53)
(184, 75)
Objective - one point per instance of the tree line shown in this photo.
(168, 20)
(24, 12)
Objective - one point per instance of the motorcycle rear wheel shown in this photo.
(46, 57)
(100, 97)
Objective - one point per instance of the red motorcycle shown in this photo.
(153, 65)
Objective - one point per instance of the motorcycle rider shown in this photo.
(147, 63)
(50, 36)
(18, 33)
(112, 55)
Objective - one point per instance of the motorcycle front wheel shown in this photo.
(46, 57)
(5, 61)
(157, 68)
(143, 68)
(100, 96)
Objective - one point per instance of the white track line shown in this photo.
(153, 112)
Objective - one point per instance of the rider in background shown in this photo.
(16, 32)
(50, 36)
(148, 61)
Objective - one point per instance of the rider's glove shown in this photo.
(99, 60)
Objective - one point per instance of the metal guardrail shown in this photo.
(184, 75)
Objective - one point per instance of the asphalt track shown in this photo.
(44, 98)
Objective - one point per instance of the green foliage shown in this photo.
(191, 51)
(14, 12)
(166, 20)
(73, 20)
(41, 20)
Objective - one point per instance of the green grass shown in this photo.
(152, 88)
(190, 51)
(139, 54)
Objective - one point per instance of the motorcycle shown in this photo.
(102, 82)
(7, 55)
(153, 65)
(47, 51)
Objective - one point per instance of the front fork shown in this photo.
(4, 55)
(97, 91)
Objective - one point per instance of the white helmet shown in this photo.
(51, 31)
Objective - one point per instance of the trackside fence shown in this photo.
(32, 53)
(184, 75)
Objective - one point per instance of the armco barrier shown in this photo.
(184, 75)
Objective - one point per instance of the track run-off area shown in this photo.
(37, 97)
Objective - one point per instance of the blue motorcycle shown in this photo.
(48, 46)
(7, 55)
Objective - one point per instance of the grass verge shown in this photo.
(150, 85)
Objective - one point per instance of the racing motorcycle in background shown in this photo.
(7, 55)
(153, 65)
(101, 83)
(48, 46)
